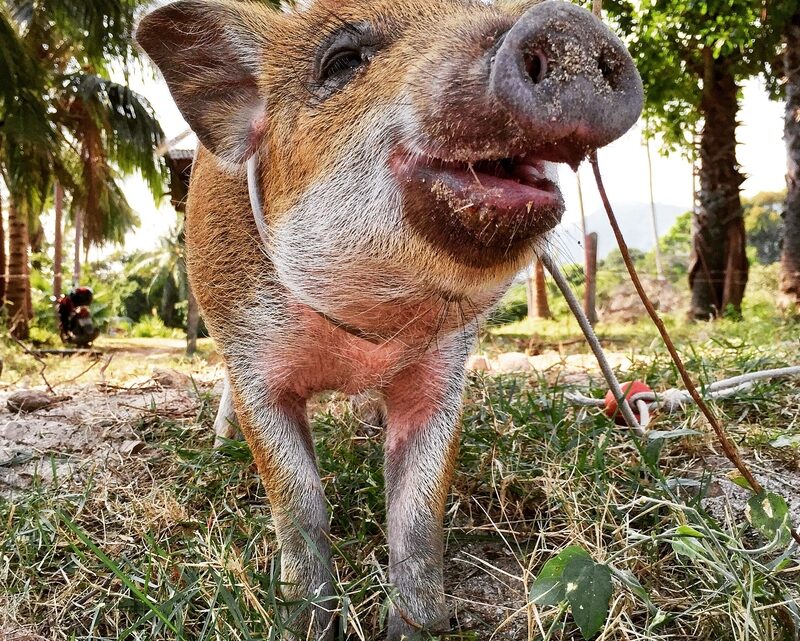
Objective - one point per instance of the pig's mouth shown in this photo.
(491, 203)
(506, 186)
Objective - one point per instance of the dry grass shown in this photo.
(176, 542)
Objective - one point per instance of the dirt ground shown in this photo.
(95, 422)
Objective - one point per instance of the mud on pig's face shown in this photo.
(400, 141)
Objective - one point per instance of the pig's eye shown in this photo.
(341, 54)
(342, 62)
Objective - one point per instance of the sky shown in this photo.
(623, 163)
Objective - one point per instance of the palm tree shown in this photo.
(63, 119)
(117, 132)
(27, 148)
(19, 311)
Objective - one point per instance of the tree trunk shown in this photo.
(192, 323)
(790, 256)
(19, 285)
(3, 261)
(537, 293)
(76, 267)
(542, 306)
(58, 240)
(719, 266)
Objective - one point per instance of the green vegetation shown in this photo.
(177, 543)
(693, 58)
(69, 133)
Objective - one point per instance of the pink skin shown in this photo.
(411, 401)
(339, 360)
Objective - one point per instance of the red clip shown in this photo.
(629, 388)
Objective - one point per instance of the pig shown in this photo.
(405, 155)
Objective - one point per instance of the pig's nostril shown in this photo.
(535, 66)
(608, 68)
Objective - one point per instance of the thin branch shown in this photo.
(37, 358)
(728, 447)
(93, 363)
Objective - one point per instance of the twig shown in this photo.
(37, 358)
(75, 378)
(727, 446)
(105, 367)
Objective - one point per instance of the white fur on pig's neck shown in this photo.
(346, 239)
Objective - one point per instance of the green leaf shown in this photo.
(685, 530)
(688, 547)
(769, 514)
(548, 588)
(588, 590)
(652, 451)
(740, 481)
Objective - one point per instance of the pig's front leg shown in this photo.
(424, 405)
(279, 436)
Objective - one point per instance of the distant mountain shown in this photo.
(634, 221)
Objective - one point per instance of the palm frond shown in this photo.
(107, 214)
(102, 27)
(129, 130)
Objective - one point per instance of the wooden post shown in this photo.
(542, 306)
(590, 291)
(536, 286)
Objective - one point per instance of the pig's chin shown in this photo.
(482, 212)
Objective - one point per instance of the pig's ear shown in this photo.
(209, 53)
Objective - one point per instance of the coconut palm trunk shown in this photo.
(3, 262)
(192, 323)
(76, 265)
(58, 240)
(18, 287)
(719, 266)
(790, 255)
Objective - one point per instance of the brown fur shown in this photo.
(376, 266)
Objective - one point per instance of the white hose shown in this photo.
(671, 400)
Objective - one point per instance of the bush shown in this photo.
(152, 327)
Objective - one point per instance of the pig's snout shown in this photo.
(566, 80)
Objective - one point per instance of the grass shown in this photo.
(179, 544)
